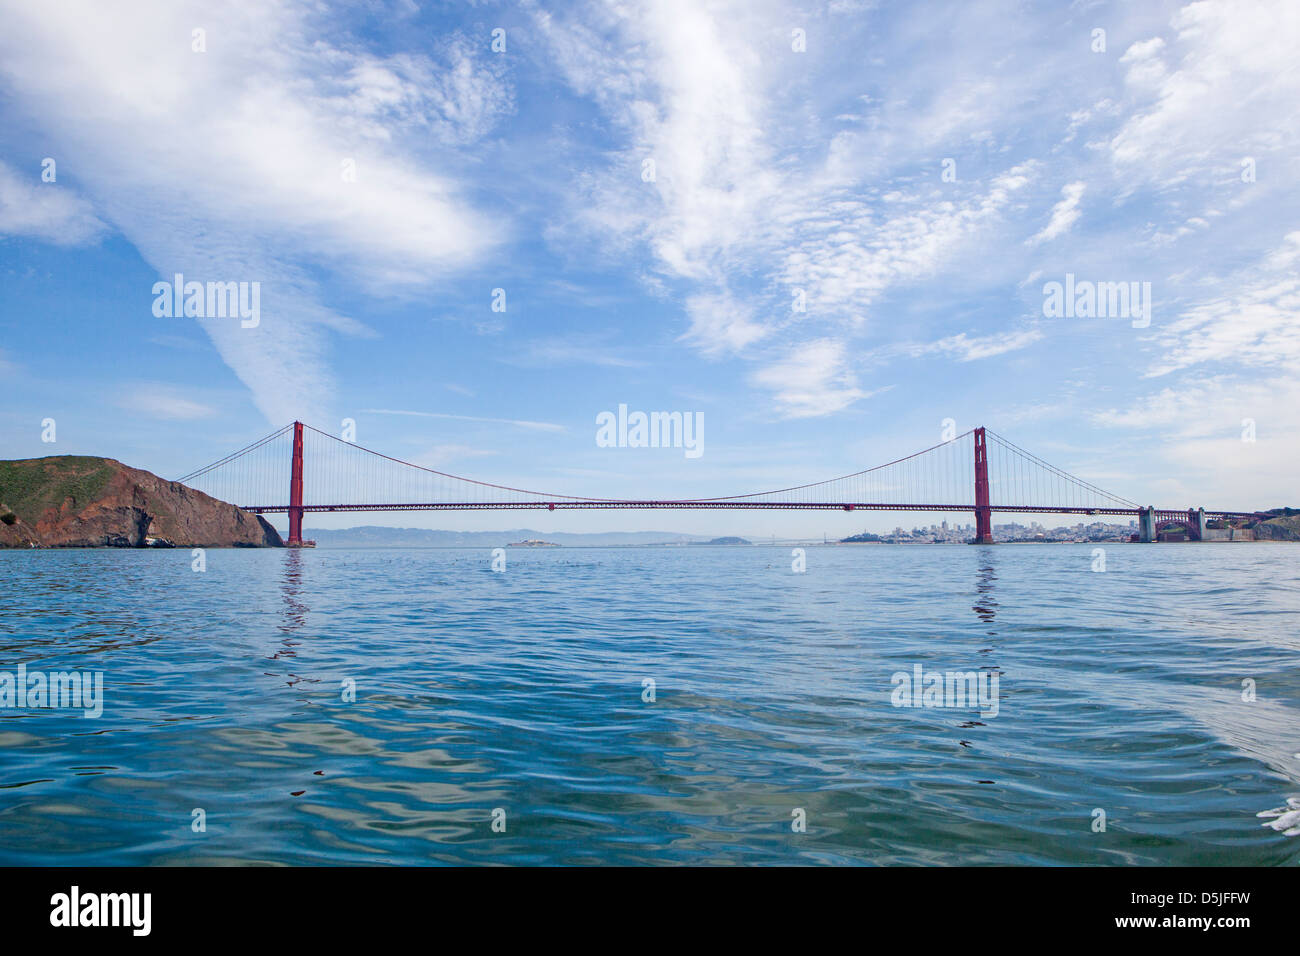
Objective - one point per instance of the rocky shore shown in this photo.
(75, 501)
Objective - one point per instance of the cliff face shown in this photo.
(72, 501)
(1283, 528)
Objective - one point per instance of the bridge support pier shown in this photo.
(295, 490)
(1196, 524)
(1147, 525)
(983, 513)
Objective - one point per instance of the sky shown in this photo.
(824, 228)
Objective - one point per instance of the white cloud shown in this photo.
(1143, 63)
(550, 352)
(721, 323)
(47, 211)
(846, 255)
(167, 402)
(518, 423)
(968, 349)
(1256, 323)
(740, 210)
(1198, 100)
(226, 165)
(1064, 214)
(457, 100)
(1241, 341)
(1195, 441)
(439, 456)
(814, 379)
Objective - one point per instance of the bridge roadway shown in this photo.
(631, 504)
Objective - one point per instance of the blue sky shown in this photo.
(776, 170)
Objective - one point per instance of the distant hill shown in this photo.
(76, 501)
(730, 540)
(372, 536)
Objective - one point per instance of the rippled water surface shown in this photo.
(224, 691)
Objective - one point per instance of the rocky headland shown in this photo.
(76, 501)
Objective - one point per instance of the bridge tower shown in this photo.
(983, 513)
(295, 490)
(1147, 524)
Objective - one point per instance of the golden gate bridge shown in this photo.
(299, 469)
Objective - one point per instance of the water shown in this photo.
(1118, 691)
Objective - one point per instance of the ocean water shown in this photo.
(521, 698)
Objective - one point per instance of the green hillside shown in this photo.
(28, 487)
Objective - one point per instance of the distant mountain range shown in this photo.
(373, 536)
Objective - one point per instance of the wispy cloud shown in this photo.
(51, 212)
(1255, 322)
(722, 323)
(439, 456)
(549, 352)
(967, 348)
(815, 378)
(517, 422)
(1064, 214)
(714, 179)
(1196, 100)
(166, 402)
(242, 177)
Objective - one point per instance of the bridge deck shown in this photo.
(561, 505)
(313, 465)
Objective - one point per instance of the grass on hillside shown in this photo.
(28, 488)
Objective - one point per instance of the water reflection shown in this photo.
(294, 612)
(985, 606)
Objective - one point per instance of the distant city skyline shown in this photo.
(818, 235)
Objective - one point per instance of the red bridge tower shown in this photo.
(983, 514)
(295, 490)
